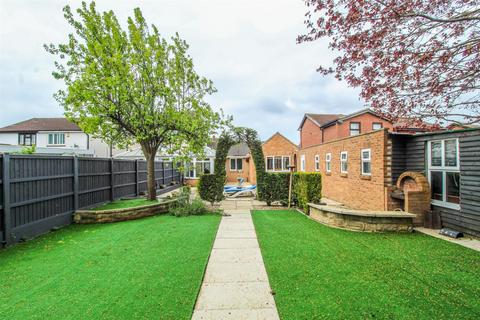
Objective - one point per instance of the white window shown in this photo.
(278, 163)
(328, 162)
(317, 162)
(344, 162)
(286, 163)
(236, 164)
(56, 139)
(366, 155)
(354, 128)
(194, 169)
(377, 126)
(444, 172)
(302, 163)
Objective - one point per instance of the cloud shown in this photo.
(264, 79)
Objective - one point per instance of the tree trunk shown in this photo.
(150, 156)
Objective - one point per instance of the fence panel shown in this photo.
(2, 224)
(39, 193)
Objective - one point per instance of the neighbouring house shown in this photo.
(51, 136)
(321, 128)
(363, 172)
(279, 153)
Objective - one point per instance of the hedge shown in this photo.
(306, 187)
(210, 188)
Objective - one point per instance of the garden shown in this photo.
(318, 272)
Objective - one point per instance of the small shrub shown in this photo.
(307, 187)
(194, 208)
(210, 188)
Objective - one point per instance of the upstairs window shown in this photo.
(328, 162)
(377, 126)
(236, 164)
(366, 162)
(317, 162)
(27, 139)
(354, 128)
(444, 173)
(344, 162)
(56, 139)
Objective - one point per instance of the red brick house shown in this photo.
(279, 154)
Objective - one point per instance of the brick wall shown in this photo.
(342, 130)
(353, 189)
(310, 134)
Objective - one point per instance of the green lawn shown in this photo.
(319, 272)
(127, 203)
(150, 268)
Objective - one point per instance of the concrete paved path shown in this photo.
(236, 285)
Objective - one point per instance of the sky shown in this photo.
(248, 48)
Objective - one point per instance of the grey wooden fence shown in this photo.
(40, 193)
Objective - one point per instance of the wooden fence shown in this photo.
(40, 193)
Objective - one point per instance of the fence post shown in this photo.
(75, 183)
(6, 199)
(112, 180)
(163, 172)
(137, 186)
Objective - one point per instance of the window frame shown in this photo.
(328, 162)
(444, 170)
(359, 128)
(56, 139)
(317, 163)
(303, 163)
(236, 164)
(374, 123)
(193, 164)
(344, 161)
(283, 167)
(369, 160)
(32, 137)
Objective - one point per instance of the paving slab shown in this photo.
(235, 255)
(237, 224)
(236, 314)
(235, 243)
(468, 242)
(239, 234)
(235, 272)
(239, 295)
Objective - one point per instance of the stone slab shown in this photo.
(235, 272)
(246, 255)
(237, 224)
(237, 314)
(240, 295)
(240, 243)
(471, 243)
(238, 234)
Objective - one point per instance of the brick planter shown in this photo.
(360, 220)
(117, 215)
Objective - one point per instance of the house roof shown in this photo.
(42, 124)
(239, 150)
(352, 115)
(319, 119)
(281, 135)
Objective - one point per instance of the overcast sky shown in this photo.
(264, 79)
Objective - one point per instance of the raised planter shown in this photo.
(362, 220)
(116, 215)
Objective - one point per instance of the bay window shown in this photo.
(444, 172)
